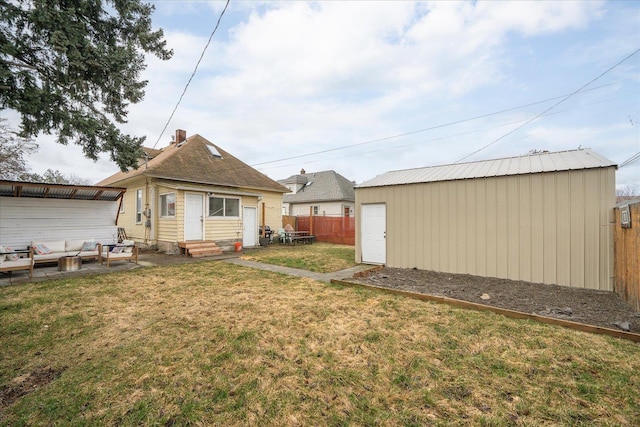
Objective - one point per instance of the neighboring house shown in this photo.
(194, 191)
(542, 218)
(322, 193)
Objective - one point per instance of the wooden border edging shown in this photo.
(505, 312)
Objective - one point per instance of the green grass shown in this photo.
(217, 344)
(318, 257)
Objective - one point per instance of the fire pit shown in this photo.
(69, 263)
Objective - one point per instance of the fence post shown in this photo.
(311, 220)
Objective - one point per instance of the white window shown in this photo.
(138, 206)
(315, 210)
(168, 204)
(226, 207)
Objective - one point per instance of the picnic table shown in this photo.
(298, 236)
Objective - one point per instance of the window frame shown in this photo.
(139, 206)
(164, 205)
(224, 207)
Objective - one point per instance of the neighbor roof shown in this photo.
(197, 160)
(531, 163)
(320, 186)
(59, 191)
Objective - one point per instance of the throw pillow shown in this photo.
(117, 248)
(89, 246)
(41, 249)
(128, 246)
(2, 254)
(11, 257)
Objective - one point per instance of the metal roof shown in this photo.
(59, 191)
(531, 163)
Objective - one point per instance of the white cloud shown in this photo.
(287, 78)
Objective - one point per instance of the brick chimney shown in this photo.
(181, 135)
(302, 172)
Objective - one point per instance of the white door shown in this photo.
(193, 217)
(249, 227)
(373, 234)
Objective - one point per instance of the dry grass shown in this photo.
(213, 343)
(318, 257)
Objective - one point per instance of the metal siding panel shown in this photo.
(23, 220)
(419, 234)
(550, 217)
(525, 219)
(577, 228)
(481, 227)
(537, 228)
(563, 231)
(607, 202)
(591, 230)
(469, 207)
(513, 227)
(492, 227)
(502, 237)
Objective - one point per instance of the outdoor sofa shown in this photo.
(51, 251)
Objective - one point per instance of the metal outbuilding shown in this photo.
(545, 217)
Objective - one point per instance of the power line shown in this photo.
(427, 129)
(547, 110)
(193, 74)
(630, 160)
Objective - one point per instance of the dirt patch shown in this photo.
(591, 307)
(27, 383)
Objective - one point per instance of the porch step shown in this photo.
(199, 248)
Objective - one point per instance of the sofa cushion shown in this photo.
(73, 245)
(10, 256)
(2, 255)
(54, 246)
(41, 249)
(117, 248)
(89, 246)
(128, 246)
(49, 256)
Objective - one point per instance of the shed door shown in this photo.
(374, 233)
(249, 227)
(193, 220)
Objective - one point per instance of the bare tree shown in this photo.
(13, 149)
(627, 192)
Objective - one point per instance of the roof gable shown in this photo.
(531, 163)
(200, 161)
(321, 186)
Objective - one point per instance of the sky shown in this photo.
(363, 88)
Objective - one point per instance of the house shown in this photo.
(31, 211)
(192, 192)
(322, 193)
(543, 218)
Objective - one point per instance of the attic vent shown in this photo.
(214, 152)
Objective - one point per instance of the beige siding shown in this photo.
(127, 219)
(167, 227)
(549, 228)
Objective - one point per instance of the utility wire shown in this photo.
(427, 129)
(194, 72)
(547, 110)
(630, 160)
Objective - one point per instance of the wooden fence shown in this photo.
(331, 229)
(627, 257)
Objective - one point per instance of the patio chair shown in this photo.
(282, 236)
(125, 251)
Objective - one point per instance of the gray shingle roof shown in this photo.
(531, 163)
(320, 186)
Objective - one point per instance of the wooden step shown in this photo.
(199, 248)
(197, 253)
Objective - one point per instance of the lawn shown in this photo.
(212, 343)
(318, 257)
